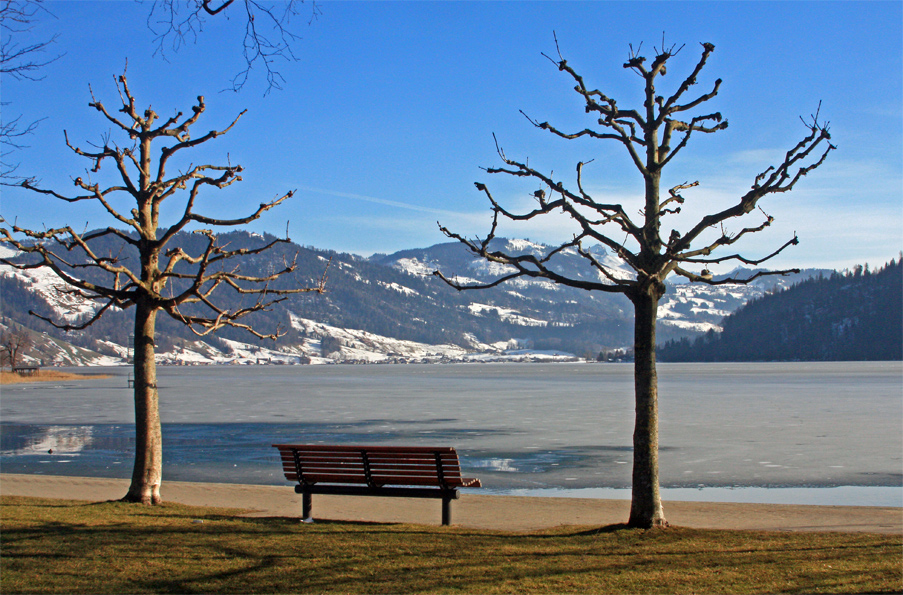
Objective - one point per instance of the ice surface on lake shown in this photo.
(517, 426)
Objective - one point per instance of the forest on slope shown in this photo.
(361, 293)
(853, 315)
(396, 296)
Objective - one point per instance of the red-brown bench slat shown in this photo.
(402, 471)
(455, 482)
(369, 448)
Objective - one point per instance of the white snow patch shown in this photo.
(615, 267)
(525, 246)
(399, 288)
(702, 327)
(506, 314)
(710, 311)
(53, 290)
(523, 282)
(486, 268)
(412, 266)
(358, 345)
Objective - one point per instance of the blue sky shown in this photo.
(388, 115)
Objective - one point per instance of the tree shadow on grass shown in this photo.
(607, 529)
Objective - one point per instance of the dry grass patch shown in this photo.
(45, 376)
(52, 546)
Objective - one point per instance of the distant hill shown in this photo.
(574, 319)
(392, 297)
(857, 315)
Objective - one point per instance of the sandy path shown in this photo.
(509, 513)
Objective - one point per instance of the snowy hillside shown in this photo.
(686, 307)
(390, 308)
(52, 289)
(324, 345)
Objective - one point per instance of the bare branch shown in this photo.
(666, 154)
(602, 268)
(20, 62)
(461, 287)
(724, 241)
(214, 11)
(526, 265)
(610, 212)
(669, 106)
(16, 60)
(96, 194)
(224, 318)
(268, 37)
(68, 239)
(205, 273)
(707, 279)
(243, 220)
(674, 194)
(74, 327)
(773, 180)
(654, 259)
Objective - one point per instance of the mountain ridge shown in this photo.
(857, 315)
(397, 297)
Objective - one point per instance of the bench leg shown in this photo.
(446, 510)
(306, 505)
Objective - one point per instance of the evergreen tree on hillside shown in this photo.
(855, 315)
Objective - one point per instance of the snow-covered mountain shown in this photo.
(325, 344)
(390, 308)
(685, 308)
(44, 283)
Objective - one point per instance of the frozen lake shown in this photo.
(727, 429)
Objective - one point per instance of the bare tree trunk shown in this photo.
(148, 471)
(652, 135)
(646, 503)
(120, 283)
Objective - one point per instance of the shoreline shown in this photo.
(473, 359)
(852, 496)
(807, 495)
(497, 512)
(48, 375)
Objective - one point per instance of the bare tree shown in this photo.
(269, 30)
(13, 345)
(21, 62)
(653, 135)
(169, 280)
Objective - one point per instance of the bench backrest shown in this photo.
(376, 466)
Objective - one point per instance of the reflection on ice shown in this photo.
(503, 465)
(515, 426)
(52, 440)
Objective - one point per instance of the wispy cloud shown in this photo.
(380, 201)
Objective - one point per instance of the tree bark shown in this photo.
(652, 136)
(646, 504)
(148, 471)
(186, 279)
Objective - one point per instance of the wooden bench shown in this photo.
(26, 370)
(394, 471)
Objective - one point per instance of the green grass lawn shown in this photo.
(55, 546)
